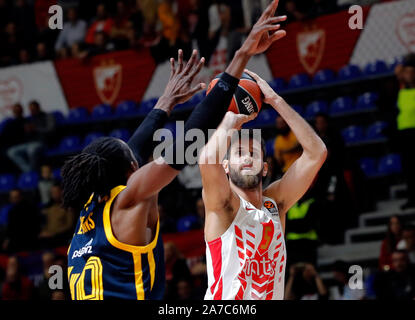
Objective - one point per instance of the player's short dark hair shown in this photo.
(247, 133)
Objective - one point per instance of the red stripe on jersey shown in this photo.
(215, 248)
(249, 243)
(250, 233)
(239, 243)
(238, 232)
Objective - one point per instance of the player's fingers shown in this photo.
(197, 69)
(270, 27)
(273, 20)
(173, 68)
(191, 62)
(180, 61)
(274, 7)
(253, 75)
(277, 35)
(201, 86)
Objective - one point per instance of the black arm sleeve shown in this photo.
(207, 115)
(141, 142)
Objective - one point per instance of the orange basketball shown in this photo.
(247, 97)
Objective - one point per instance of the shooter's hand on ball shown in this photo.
(235, 121)
(264, 32)
(179, 88)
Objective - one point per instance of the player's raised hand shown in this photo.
(179, 88)
(268, 93)
(265, 31)
(235, 121)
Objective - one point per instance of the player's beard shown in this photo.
(245, 181)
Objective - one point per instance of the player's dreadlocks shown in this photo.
(101, 166)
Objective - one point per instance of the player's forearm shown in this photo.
(311, 143)
(141, 142)
(238, 63)
(217, 145)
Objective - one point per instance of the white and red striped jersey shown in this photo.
(248, 261)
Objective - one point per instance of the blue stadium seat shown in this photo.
(341, 105)
(319, 106)
(368, 166)
(28, 180)
(147, 106)
(57, 174)
(123, 134)
(278, 84)
(269, 147)
(126, 108)
(376, 130)
(7, 182)
(91, 137)
(4, 123)
(300, 80)
(101, 112)
(367, 101)
(70, 144)
(390, 164)
(78, 115)
(324, 76)
(187, 223)
(349, 72)
(353, 134)
(59, 118)
(374, 68)
(4, 214)
(299, 109)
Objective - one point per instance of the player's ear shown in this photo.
(265, 171)
(225, 164)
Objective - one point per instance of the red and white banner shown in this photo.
(109, 78)
(389, 33)
(309, 46)
(36, 81)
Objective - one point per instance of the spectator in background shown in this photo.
(13, 133)
(321, 7)
(23, 224)
(341, 276)
(45, 184)
(103, 23)
(191, 180)
(408, 242)
(122, 33)
(302, 223)
(399, 282)
(100, 46)
(176, 268)
(137, 23)
(23, 15)
(73, 32)
(389, 244)
(286, 147)
(11, 41)
(16, 285)
(24, 56)
(43, 292)
(304, 283)
(27, 155)
(48, 37)
(59, 224)
(292, 11)
(43, 53)
(405, 74)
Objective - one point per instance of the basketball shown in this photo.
(247, 97)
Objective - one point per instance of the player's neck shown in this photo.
(254, 196)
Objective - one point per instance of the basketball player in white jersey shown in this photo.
(244, 227)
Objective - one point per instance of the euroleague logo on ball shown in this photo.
(247, 97)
